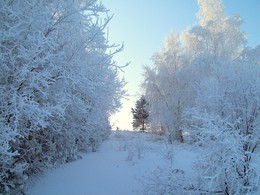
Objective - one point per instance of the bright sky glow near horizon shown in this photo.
(142, 26)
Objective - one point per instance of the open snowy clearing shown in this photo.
(117, 168)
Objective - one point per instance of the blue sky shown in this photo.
(142, 26)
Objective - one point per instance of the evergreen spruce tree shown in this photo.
(140, 114)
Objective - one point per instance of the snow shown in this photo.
(117, 168)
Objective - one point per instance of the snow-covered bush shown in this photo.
(135, 148)
(166, 181)
(58, 84)
(225, 166)
(226, 123)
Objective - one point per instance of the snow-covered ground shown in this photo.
(117, 168)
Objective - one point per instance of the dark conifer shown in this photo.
(140, 114)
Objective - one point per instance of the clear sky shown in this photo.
(142, 26)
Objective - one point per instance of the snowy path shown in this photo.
(113, 170)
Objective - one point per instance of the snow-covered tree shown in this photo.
(168, 87)
(186, 58)
(208, 88)
(216, 33)
(58, 84)
(140, 114)
(225, 115)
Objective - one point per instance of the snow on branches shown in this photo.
(204, 88)
(58, 85)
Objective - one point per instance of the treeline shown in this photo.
(58, 85)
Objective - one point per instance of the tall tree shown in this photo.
(167, 88)
(208, 87)
(58, 85)
(140, 114)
